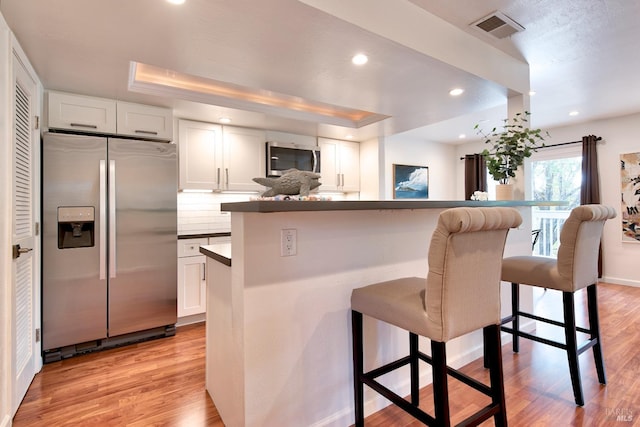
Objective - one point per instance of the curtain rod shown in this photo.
(599, 138)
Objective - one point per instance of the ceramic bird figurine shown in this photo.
(292, 182)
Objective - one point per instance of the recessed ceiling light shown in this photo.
(455, 92)
(574, 113)
(532, 92)
(176, 1)
(349, 136)
(224, 120)
(360, 59)
(462, 136)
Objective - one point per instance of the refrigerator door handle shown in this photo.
(112, 218)
(103, 219)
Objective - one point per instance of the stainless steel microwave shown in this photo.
(282, 156)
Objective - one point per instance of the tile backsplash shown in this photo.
(200, 212)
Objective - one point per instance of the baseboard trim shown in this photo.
(624, 282)
(188, 320)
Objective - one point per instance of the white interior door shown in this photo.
(25, 360)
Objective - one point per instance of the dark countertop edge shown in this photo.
(266, 206)
(219, 252)
(199, 235)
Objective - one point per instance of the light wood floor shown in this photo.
(161, 382)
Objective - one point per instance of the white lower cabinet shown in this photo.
(192, 274)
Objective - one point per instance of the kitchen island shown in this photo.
(278, 327)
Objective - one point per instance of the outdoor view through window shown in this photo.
(553, 179)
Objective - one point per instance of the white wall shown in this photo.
(372, 169)
(439, 158)
(619, 135)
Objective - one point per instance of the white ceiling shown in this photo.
(583, 55)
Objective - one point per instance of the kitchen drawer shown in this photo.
(191, 247)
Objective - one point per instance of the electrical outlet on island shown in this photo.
(288, 242)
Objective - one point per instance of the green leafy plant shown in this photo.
(510, 146)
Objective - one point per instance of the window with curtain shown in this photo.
(553, 174)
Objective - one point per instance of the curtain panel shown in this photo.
(590, 189)
(475, 174)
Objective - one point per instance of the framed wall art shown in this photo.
(630, 190)
(410, 182)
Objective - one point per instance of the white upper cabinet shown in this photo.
(100, 115)
(219, 158)
(339, 165)
(244, 158)
(81, 113)
(199, 150)
(144, 121)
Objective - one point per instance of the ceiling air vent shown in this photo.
(498, 25)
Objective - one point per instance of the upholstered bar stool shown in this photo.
(460, 294)
(575, 268)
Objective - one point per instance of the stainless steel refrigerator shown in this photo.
(109, 261)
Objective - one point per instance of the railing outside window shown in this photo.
(549, 222)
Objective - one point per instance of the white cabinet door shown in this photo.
(244, 158)
(350, 165)
(329, 171)
(144, 121)
(81, 113)
(200, 154)
(191, 277)
(339, 165)
(192, 285)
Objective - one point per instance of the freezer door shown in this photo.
(143, 234)
(74, 296)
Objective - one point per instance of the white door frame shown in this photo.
(5, 225)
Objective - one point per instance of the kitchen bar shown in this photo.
(278, 327)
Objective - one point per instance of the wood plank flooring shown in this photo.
(161, 382)
(154, 383)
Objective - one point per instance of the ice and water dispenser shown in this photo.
(76, 226)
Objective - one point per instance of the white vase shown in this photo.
(504, 192)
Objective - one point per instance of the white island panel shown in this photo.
(286, 354)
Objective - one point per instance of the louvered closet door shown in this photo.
(24, 271)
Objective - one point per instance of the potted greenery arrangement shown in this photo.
(509, 148)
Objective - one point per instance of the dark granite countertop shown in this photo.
(220, 252)
(200, 235)
(265, 206)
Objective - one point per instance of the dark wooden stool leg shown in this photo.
(415, 376)
(440, 387)
(515, 308)
(485, 351)
(493, 341)
(594, 327)
(572, 345)
(358, 368)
